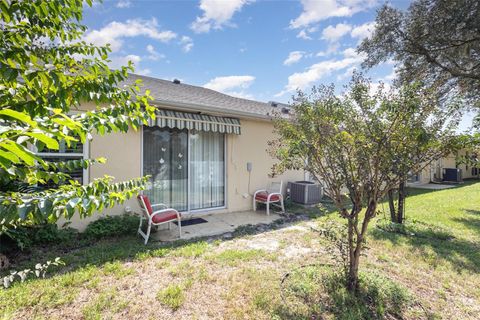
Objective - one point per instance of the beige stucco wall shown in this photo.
(251, 146)
(123, 153)
(446, 162)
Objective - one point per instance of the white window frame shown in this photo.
(84, 155)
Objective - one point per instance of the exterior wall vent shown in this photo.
(176, 81)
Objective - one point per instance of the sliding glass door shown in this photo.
(187, 168)
(165, 160)
(207, 170)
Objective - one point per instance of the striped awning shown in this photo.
(194, 121)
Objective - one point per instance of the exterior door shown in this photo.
(165, 159)
(186, 168)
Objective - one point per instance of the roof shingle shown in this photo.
(185, 96)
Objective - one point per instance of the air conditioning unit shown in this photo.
(452, 174)
(305, 192)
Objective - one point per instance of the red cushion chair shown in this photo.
(271, 195)
(155, 218)
(263, 196)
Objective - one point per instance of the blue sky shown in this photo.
(261, 50)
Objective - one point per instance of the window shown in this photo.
(74, 152)
(171, 156)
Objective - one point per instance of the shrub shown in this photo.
(25, 237)
(50, 233)
(111, 226)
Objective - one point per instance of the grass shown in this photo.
(105, 302)
(312, 291)
(427, 269)
(234, 257)
(172, 296)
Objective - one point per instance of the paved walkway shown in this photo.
(216, 224)
(430, 186)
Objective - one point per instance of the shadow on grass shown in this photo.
(461, 253)
(79, 254)
(319, 292)
(472, 223)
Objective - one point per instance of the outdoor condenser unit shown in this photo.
(452, 174)
(306, 192)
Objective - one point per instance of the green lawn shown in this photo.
(431, 270)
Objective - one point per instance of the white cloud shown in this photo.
(334, 33)
(294, 57)
(347, 74)
(123, 4)
(315, 11)
(229, 82)
(232, 85)
(363, 31)
(305, 79)
(391, 76)
(216, 14)
(187, 43)
(332, 48)
(116, 62)
(304, 35)
(350, 53)
(153, 54)
(114, 33)
(119, 61)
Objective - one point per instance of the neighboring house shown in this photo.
(196, 151)
(436, 171)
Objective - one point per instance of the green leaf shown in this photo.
(10, 156)
(21, 152)
(23, 117)
(49, 141)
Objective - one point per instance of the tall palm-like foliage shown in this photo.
(46, 72)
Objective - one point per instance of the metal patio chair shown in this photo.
(271, 195)
(158, 217)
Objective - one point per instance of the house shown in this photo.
(437, 170)
(205, 151)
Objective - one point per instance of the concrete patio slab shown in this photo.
(216, 224)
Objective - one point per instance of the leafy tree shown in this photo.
(351, 143)
(436, 42)
(47, 71)
(428, 132)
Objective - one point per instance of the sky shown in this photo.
(261, 50)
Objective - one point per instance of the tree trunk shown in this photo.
(354, 259)
(352, 280)
(397, 213)
(401, 202)
(391, 204)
